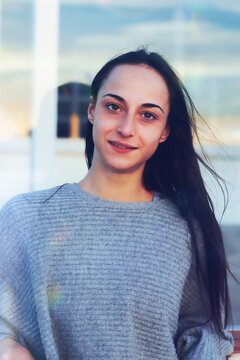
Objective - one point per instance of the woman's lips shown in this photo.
(122, 147)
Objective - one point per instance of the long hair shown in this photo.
(181, 180)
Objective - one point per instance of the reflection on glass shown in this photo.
(73, 101)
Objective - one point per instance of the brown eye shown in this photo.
(113, 107)
(149, 116)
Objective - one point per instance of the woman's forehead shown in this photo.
(137, 80)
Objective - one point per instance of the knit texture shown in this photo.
(85, 278)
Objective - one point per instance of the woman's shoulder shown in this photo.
(25, 206)
(28, 199)
(167, 209)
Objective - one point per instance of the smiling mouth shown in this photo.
(122, 146)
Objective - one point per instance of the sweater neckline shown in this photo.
(101, 201)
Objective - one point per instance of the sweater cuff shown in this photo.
(8, 332)
(202, 342)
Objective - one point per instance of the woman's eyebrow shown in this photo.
(146, 105)
(117, 97)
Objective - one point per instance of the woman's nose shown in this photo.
(127, 127)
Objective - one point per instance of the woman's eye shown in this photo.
(113, 107)
(149, 116)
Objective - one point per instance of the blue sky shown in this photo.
(201, 39)
(78, 18)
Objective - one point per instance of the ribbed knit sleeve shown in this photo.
(18, 317)
(197, 339)
(13, 274)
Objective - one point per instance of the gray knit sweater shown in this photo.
(87, 278)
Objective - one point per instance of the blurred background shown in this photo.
(50, 52)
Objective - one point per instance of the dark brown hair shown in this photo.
(181, 180)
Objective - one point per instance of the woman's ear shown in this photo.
(91, 108)
(165, 134)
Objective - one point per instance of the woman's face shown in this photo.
(129, 118)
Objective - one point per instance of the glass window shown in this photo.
(16, 67)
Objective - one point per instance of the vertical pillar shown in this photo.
(44, 98)
(0, 24)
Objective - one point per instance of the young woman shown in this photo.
(129, 263)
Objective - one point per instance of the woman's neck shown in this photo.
(116, 186)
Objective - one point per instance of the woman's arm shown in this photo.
(197, 339)
(11, 350)
(15, 336)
